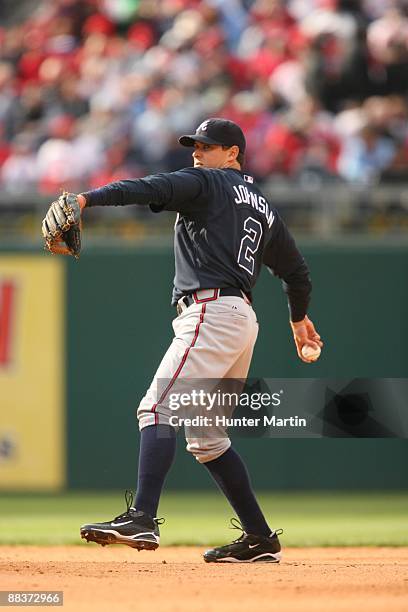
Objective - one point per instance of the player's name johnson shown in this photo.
(244, 195)
(223, 421)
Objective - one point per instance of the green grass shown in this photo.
(308, 519)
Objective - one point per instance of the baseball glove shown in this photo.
(62, 226)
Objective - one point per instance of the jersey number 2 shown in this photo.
(250, 244)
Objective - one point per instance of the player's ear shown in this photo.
(233, 152)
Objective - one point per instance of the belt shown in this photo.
(204, 295)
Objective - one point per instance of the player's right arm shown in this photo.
(284, 260)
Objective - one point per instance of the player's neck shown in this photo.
(234, 165)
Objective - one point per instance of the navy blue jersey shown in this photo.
(225, 230)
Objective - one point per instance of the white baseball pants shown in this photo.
(214, 338)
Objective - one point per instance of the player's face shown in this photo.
(212, 156)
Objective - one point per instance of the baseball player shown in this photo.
(225, 230)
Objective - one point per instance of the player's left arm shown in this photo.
(285, 261)
(174, 191)
(177, 191)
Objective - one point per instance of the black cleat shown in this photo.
(248, 548)
(134, 528)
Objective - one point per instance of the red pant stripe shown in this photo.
(180, 367)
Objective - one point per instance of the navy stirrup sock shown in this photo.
(157, 450)
(231, 475)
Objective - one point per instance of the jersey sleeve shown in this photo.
(180, 191)
(283, 259)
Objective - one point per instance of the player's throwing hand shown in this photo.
(304, 334)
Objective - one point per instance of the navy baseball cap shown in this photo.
(218, 132)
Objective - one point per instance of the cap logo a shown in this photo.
(203, 126)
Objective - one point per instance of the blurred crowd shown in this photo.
(92, 91)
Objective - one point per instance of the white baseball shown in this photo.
(310, 352)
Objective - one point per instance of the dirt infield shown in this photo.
(176, 579)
